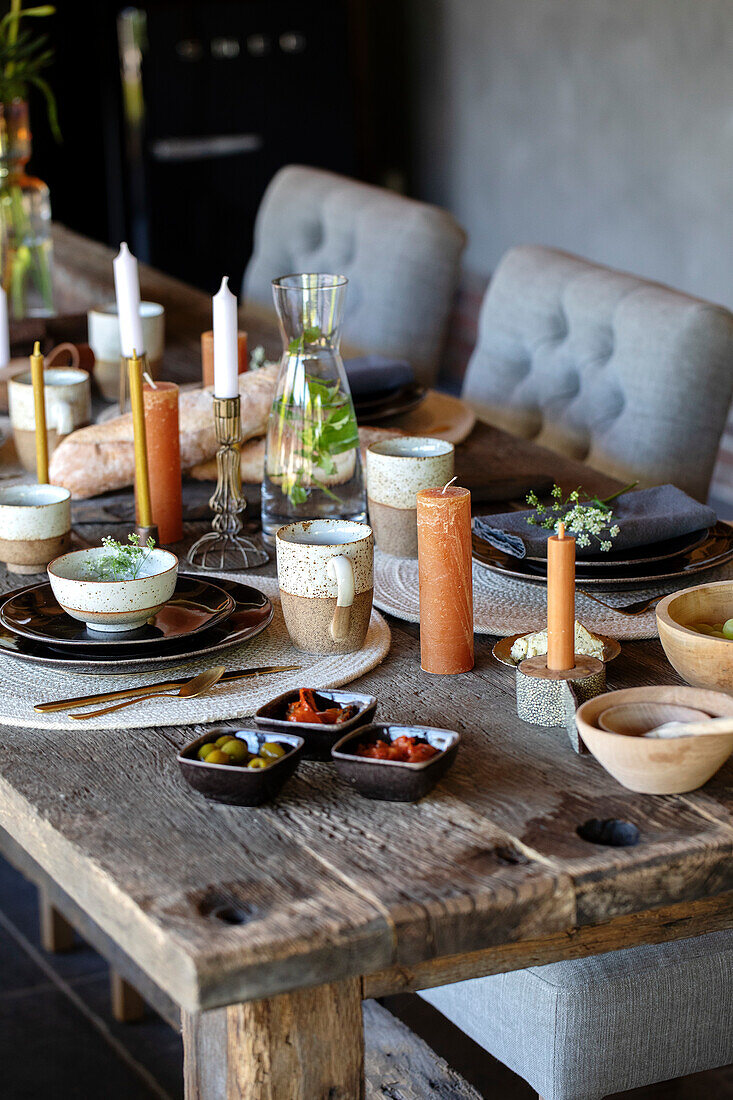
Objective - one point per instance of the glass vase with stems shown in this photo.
(312, 461)
(26, 249)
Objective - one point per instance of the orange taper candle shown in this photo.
(560, 601)
(446, 588)
(207, 356)
(164, 459)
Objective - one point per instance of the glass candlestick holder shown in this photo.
(224, 547)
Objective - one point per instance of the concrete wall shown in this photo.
(601, 126)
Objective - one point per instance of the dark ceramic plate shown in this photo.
(196, 605)
(319, 738)
(643, 555)
(391, 404)
(235, 785)
(715, 550)
(251, 615)
(391, 780)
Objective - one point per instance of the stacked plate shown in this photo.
(641, 567)
(384, 405)
(202, 617)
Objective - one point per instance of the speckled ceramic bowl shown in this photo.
(112, 606)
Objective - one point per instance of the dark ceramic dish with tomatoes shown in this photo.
(320, 736)
(395, 763)
(239, 785)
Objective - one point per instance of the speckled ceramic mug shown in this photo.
(396, 470)
(325, 569)
(68, 401)
(35, 526)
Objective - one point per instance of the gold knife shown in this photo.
(148, 689)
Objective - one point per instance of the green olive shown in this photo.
(236, 750)
(223, 740)
(258, 762)
(204, 750)
(272, 748)
(218, 757)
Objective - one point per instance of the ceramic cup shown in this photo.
(35, 526)
(104, 338)
(68, 399)
(325, 569)
(396, 470)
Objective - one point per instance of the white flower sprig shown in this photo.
(584, 516)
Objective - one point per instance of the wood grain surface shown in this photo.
(222, 905)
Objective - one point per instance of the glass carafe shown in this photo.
(312, 459)
(25, 220)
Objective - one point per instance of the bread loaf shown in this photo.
(101, 457)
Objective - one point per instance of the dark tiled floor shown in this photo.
(58, 1039)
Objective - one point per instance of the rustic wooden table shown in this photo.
(267, 927)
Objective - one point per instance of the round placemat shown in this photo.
(21, 687)
(503, 606)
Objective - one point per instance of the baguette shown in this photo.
(101, 458)
(253, 456)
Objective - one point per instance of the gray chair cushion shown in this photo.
(582, 1029)
(627, 375)
(401, 258)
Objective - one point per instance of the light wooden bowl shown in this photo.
(700, 660)
(636, 719)
(651, 766)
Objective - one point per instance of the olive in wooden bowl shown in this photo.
(240, 767)
(702, 658)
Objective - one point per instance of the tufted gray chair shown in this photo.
(629, 376)
(401, 258)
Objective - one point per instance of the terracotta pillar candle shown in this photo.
(207, 355)
(446, 588)
(39, 404)
(142, 482)
(560, 601)
(164, 459)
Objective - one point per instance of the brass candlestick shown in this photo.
(224, 547)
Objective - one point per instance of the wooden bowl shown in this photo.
(651, 766)
(636, 719)
(700, 660)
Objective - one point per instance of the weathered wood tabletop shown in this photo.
(291, 913)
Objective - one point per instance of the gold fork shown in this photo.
(632, 609)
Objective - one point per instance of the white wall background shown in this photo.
(604, 127)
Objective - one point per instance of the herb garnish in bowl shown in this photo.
(122, 562)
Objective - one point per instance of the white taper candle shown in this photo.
(226, 358)
(127, 292)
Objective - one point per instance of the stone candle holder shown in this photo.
(548, 697)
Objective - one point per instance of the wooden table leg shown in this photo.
(127, 1005)
(56, 932)
(307, 1045)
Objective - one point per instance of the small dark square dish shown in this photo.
(235, 784)
(394, 780)
(320, 737)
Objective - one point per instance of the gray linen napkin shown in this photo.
(644, 516)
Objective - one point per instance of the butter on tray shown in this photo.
(534, 645)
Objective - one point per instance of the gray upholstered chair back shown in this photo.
(627, 375)
(400, 256)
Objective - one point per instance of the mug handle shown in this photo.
(64, 419)
(341, 569)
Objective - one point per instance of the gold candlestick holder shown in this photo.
(223, 547)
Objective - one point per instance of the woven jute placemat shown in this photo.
(503, 606)
(21, 685)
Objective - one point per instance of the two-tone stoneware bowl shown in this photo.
(35, 526)
(111, 606)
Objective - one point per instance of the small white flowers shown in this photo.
(588, 518)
